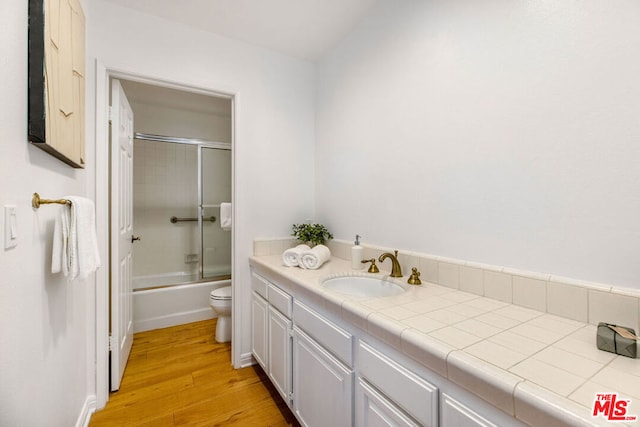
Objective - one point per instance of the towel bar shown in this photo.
(36, 201)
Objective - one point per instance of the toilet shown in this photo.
(220, 301)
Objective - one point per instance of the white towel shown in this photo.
(59, 258)
(291, 257)
(75, 244)
(225, 216)
(315, 257)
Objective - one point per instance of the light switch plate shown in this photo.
(10, 227)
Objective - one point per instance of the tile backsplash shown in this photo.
(565, 297)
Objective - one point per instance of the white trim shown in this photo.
(173, 319)
(88, 409)
(103, 74)
(102, 225)
(246, 360)
(236, 306)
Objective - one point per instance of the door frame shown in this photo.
(102, 200)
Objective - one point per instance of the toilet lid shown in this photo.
(221, 293)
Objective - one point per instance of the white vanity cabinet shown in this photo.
(259, 329)
(322, 386)
(279, 365)
(390, 394)
(323, 376)
(271, 333)
(332, 373)
(259, 320)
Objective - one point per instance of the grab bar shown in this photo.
(175, 219)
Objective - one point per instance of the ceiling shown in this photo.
(304, 29)
(143, 93)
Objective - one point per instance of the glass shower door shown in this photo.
(215, 186)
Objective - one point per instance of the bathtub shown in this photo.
(178, 278)
(156, 305)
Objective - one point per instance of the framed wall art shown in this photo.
(57, 79)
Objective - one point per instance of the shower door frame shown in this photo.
(200, 143)
(201, 206)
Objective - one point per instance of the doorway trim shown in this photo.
(102, 201)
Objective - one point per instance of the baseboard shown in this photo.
(88, 409)
(172, 319)
(246, 360)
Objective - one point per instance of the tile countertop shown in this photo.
(541, 368)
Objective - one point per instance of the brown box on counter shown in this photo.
(617, 339)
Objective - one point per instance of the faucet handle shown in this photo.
(373, 268)
(414, 279)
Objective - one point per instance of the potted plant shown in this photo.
(312, 234)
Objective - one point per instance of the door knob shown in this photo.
(133, 239)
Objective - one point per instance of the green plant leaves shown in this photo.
(316, 234)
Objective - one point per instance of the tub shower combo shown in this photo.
(184, 254)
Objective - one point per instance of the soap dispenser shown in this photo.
(356, 255)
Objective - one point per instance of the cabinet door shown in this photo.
(417, 397)
(373, 409)
(455, 414)
(279, 357)
(259, 329)
(322, 385)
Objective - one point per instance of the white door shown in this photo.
(121, 232)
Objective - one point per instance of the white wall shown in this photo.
(46, 324)
(275, 119)
(500, 132)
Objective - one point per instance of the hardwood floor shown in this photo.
(180, 376)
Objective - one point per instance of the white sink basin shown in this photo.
(363, 286)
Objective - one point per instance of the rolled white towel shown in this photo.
(291, 257)
(315, 257)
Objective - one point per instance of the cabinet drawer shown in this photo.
(409, 391)
(332, 337)
(455, 414)
(279, 299)
(259, 284)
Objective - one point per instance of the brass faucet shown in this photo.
(373, 268)
(396, 270)
(414, 279)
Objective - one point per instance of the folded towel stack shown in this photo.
(291, 257)
(305, 257)
(75, 244)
